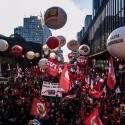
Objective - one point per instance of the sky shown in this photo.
(12, 13)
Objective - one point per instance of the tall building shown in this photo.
(80, 35)
(33, 30)
(88, 20)
(96, 5)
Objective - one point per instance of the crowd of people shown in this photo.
(17, 94)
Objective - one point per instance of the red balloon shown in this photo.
(17, 50)
(52, 42)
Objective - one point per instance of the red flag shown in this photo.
(111, 80)
(64, 79)
(38, 108)
(52, 67)
(93, 118)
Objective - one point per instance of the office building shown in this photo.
(88, 20)
(33, 30)
(96, 5)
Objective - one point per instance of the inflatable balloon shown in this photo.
(55, 17)
(73, 45)
(42, 62)
(62, 41)
(52, 42)
(116, 43)
(3, 45)
(52, 55)
(37, 55)
(17, 50)
(30, 55)
(82, 61)
(84, 50)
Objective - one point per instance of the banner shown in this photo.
(51, 89)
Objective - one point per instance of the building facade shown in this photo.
(95, 6)
(110, 16)
(33, 30)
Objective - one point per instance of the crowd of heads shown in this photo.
(17, 94)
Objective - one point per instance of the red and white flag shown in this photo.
(93, 118)
(111, 80)
(64, 79)
(38, 108)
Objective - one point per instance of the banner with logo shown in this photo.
(51, 89)
(52, 67)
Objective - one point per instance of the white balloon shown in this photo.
(3, 45)
(52, 55)
(37, 55)
(42, 62)
(116, 43)
(30, 55)
(84, 50)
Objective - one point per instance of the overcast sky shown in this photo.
(12, 13)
